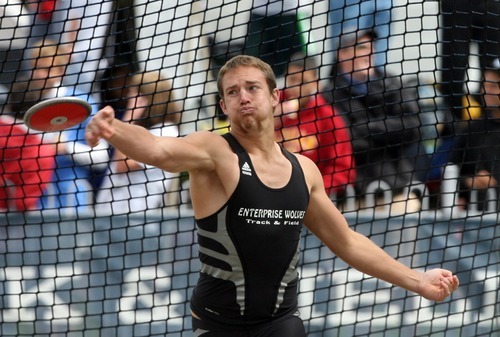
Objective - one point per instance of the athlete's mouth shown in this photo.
(248, 109)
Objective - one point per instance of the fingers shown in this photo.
(438, 284)
(449, 283)
(456, 283)
(91, 138)
(445, 291)
(100, 126)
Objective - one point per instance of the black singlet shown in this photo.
(249, 250)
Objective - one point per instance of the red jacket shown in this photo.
(319, 134)
(45, 9)
(26, 166)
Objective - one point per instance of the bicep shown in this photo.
(322, 218)
(325, 221)
(189, 153)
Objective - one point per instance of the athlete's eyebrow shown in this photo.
(247, 82)
(230, 88)
(252, 82)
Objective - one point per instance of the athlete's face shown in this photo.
(357, 60)
(248, 101)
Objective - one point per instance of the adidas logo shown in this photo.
(245, 169)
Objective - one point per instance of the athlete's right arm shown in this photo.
(172, 154)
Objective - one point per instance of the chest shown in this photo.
(274, 175)
(281, 189)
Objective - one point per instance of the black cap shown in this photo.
(349, 38)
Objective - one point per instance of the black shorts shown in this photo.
(290, 327)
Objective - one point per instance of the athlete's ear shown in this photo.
(223, 106)
(275, 97)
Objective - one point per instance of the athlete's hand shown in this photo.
(437, 284)
(100, 126)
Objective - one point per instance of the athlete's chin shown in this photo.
(250, 124)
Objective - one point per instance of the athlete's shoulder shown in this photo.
(213, 143)
(304, 161)
(204, 137)
(310, 169)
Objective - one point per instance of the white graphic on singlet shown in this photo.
(245, 169)
(277, 217)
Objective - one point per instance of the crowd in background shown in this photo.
(364, 128)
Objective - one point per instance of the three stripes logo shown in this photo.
(245, 169)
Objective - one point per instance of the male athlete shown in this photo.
(250, 199)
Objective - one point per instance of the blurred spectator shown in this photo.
(115, 91)
(15, 24)
(464, 24)
(273, 33)
(107, 37)
(130, 186)
(42, 16)
(476, 149)
(86, 24)
(121, 59)
(309, 125)
(115, 87)
(350, 15)
(26, 166)
(383, 118)
(75, 159)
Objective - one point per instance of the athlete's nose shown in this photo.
(244, 96)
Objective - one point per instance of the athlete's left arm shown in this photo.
(329, 225)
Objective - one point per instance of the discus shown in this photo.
(57, 114)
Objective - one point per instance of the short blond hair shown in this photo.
(246, 61)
